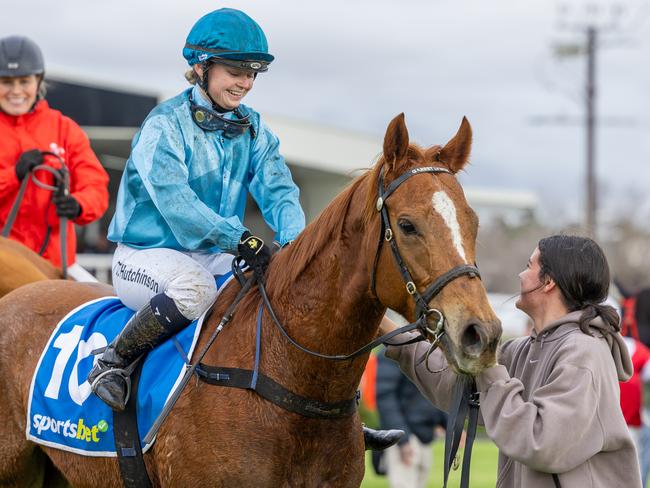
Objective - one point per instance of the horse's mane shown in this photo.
(323, 229)
(329, 224)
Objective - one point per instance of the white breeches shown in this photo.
(185, 277)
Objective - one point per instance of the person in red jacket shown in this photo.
(632, 390)
(29, 130)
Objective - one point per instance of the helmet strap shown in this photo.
(41, 78)
(203, 83)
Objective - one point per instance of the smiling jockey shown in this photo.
(182, 197)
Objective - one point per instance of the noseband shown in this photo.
(386, 234)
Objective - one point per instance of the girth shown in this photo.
(274, 392)
(270, 389)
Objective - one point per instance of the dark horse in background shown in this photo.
(321, 288)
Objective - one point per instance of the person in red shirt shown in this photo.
(29, 130)
(632, 390)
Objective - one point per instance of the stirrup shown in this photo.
(124, 373)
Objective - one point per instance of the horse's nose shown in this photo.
(474, 339)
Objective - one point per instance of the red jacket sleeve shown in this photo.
(88, 179)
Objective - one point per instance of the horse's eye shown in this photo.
(407, 227)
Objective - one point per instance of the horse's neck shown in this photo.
(329, 310)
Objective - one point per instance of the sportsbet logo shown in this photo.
(66, 428)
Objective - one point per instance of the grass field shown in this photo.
(483, 472)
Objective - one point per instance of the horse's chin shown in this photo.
(463, 364)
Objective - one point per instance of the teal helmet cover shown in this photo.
(229, 36)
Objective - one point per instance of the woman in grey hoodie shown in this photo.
(551, 404)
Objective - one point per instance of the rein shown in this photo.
(62, 178)
(465, 404)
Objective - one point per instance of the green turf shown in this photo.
(483, 472)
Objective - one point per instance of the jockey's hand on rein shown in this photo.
(27, 162)
(67, 206)
(255, 253)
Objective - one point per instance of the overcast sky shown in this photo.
(355, 64)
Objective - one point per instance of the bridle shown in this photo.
(465, 401)
(386, 234)
(421, 300)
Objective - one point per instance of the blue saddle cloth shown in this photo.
(62, 411)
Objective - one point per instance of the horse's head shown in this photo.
(433, 229)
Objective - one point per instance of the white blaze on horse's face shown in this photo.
(447, 210)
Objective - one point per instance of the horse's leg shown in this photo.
(246, 431)
(53, 477)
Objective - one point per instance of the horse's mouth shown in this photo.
(469, 358)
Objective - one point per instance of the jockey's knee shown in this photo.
(195, 297)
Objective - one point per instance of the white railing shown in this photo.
(97, 264)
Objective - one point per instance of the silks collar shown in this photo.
(211, 120)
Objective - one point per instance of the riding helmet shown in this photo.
(20, 56)
(228, 36)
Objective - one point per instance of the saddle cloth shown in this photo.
(62, 411)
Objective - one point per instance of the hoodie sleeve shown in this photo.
(558, 429)
(438, 387)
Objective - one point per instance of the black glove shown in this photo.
(255, 253)
(27, 162)
(67, 206)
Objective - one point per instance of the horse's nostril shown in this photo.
(472, 340)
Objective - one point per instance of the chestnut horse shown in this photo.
(20, 265)
(322, 290)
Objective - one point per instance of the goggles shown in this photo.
(211, 120)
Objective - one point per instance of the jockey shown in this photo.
(180, 206)
(29, 127)
(179, 212)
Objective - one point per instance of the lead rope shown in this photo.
(465, 405)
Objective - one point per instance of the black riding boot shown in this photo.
(378, 440)
(109, 378)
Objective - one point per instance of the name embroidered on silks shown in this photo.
(62, 411)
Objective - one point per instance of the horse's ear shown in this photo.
(456, 153)
(396, 142)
